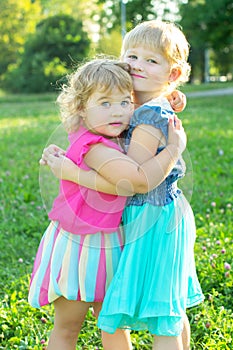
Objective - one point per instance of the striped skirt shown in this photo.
(77, 267)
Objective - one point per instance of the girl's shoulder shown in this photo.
(160, 101)
(84, 137)
(82, 140)
(155, 112)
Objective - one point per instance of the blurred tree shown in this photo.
(74, 8)
(17, 20)
(110, 15)
(80, 10)
(208, 24)
(58, 43)
(136, 11)
(110, 43)
(60, 36)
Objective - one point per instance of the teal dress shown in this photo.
(156, 278)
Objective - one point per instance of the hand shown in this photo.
(51, 149)
(176, 134)
(62, 167)
(177, 101)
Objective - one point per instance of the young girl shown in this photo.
(156, 278)
(80, 250)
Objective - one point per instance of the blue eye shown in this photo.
(106, 104)
(125, 104)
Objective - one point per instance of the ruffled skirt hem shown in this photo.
(77, 267)
(156, 278)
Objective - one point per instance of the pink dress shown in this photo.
(80, 250)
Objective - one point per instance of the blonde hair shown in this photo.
(100, 74)
(164, 37)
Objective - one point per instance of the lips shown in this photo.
(116, 124)
(137, 76)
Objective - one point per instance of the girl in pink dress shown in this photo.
(79, 253)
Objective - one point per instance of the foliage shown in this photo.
(17, 21)
(208, 24)
(111, 12)
(135, 11)
(74, 8)
(58, 42)
(105, 43)
(26, 123)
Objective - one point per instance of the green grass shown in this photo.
(26, 122)
(207, 86)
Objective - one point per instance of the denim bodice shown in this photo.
(156, 113)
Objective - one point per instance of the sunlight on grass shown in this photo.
(15, 123)
(207, 86)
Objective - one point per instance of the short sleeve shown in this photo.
(151, 115)
(81, 142)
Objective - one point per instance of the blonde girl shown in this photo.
(156, 278)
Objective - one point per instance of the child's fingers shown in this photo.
(55, 160)
(177, 123)
(51, 159)
(51, 149)
(170, 121)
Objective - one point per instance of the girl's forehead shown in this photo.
(141, 49)
(106, 91)
(147, 41)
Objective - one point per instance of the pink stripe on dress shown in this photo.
(100, 286)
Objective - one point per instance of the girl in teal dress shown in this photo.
(156, 278)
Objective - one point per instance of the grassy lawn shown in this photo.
(26, 124)
(207, 86)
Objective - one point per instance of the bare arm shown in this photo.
(122, 175)
(65, 169)
(142, 172)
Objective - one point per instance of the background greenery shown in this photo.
(42, 40)
(27, 121)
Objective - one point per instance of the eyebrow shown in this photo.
(152, 53)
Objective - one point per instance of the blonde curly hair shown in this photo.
(99, 74)
(164, 37)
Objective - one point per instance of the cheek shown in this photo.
(158, 76)
(101, 119)
(153, 73)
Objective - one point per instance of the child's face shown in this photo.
(108, 113)
(150, 70)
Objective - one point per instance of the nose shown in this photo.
(117, 110)
(136, 65)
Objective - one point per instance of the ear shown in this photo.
(175, 74)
